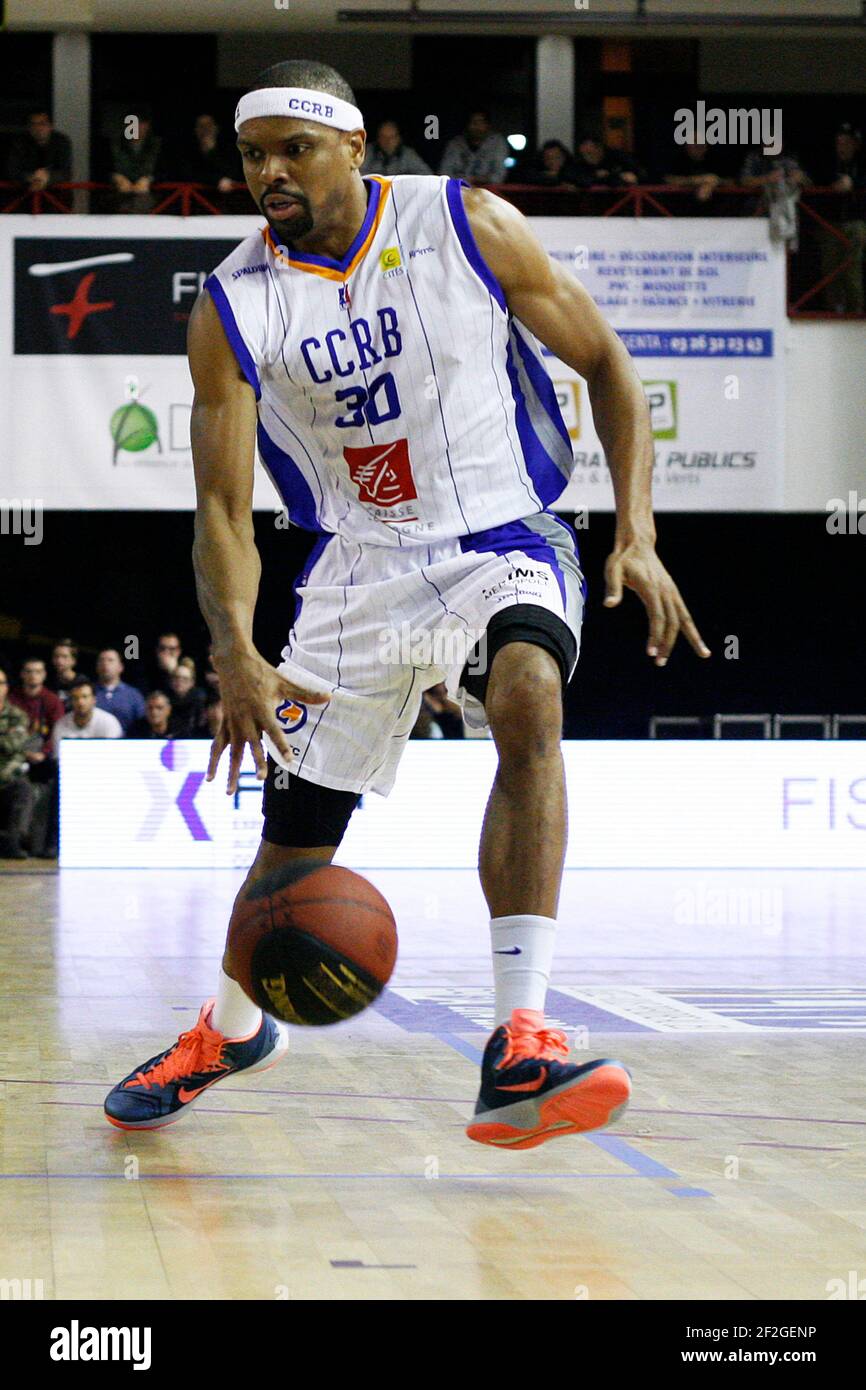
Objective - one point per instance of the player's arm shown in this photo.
(226, 561)
(554, 306)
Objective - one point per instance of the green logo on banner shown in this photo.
(662, 400)
(134, 427)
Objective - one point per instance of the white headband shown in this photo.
(299, 101)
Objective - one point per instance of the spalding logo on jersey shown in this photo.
(291, 715)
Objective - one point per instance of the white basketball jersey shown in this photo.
(399, 401)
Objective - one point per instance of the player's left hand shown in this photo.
(637, 566)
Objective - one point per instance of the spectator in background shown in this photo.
(206, 161)
(43, 709)
(166, 655)
(187, 700)
(213, 714)
(597, 164)
(388, 155)
(41, 157)
(114, 695)
(84, 720)
(691, 166)
(444, 712)
(761, 170)
(478, 155)
(846, 174)
(134, 159)
(211, 674)
(779, 179)
(554, 167)
(16, 793)
(156, 720)
(425, 725)
(64, 662)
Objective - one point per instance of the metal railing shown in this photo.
(765, 726)
(822, 210)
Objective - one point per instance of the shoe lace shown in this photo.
(547, 1043)
(195, 1051)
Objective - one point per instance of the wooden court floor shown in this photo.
(738, 1173)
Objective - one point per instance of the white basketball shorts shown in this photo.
(375, 626)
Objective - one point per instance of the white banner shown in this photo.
(95, 392)
(633, 804)
(700, 305)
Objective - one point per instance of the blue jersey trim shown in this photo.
(304, 577)
(467, 241)
(572, 536)
(547, 479)
(374, 196)
(232, 332)
(541, 383)
(289, 482)
(516, 535)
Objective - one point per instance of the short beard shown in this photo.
(300, 226)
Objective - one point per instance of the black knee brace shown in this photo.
(521, 622)
(299, 813)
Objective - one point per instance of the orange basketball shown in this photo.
(312, 943)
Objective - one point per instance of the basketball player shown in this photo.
(377, 340)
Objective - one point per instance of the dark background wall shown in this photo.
(791, 593)
(179, 76)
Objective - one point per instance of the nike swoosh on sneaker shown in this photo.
(184, 1095)
(528, 1085)
(512, 951)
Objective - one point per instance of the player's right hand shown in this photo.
(251, 691)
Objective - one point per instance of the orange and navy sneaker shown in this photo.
(164, 1088)
(530, 1092)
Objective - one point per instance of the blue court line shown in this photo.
(642, 1165)
(464, 1048)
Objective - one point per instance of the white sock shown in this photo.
(522, 955)
(234, 1014)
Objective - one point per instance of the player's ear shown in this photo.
(357, 147)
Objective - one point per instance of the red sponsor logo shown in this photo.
(80, 306)
(382, 473)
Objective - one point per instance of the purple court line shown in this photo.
(754, 1143)
(454, 1100)
(212, 1110)
(359, 1264)
(381, 1120)
(360, 1119)
(200, 1110)
(262, 1091)
(812, 1148)
(318, 1177)
(737, 1115)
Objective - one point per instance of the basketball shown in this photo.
(312, 943)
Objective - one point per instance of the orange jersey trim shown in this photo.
(329, 272)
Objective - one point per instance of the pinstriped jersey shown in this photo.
(399, 401)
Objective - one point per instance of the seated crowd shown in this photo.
(46, 707)
(57, 700)
(135, 159)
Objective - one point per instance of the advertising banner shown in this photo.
(794, 804)
(95, 391)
